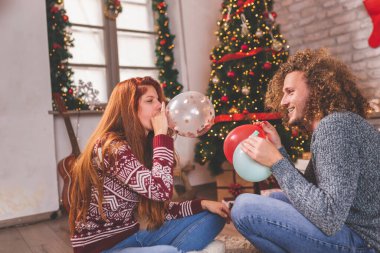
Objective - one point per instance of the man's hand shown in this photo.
(261, 150)
(272, 134)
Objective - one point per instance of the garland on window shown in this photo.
(164, 51)
(112, 8)
(59, 42)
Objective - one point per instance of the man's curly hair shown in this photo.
(331, 83)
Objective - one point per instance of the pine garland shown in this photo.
(164, 51)
(59, 42)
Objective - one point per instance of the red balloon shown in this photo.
(237, 135)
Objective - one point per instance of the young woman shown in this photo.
(127, 166)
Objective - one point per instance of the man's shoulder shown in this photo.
(345, 116)
(346, 123)
(342, 119)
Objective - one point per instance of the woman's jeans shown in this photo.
(272, 224)
(180, 235)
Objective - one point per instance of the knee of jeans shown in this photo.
(276, 195)
(216, 219)
(241, 206)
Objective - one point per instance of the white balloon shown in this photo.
(190, 114)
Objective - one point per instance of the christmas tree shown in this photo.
(250, 51)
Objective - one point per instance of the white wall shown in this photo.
(194, 23)
(28, 178)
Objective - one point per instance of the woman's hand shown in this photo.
(261, 150)
(160, 121)
(271, 133)
(217, 208)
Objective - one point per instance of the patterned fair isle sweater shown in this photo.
(341, 184)
(125, 181)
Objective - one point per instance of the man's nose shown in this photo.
(284, 101)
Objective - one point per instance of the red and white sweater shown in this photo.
(125, 181)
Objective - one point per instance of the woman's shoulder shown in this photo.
(113, 141)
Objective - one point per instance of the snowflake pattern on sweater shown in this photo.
(126, 179)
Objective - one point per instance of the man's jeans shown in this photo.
(180, 235)
(272, 224)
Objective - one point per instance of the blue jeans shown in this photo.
(272, 224)
(181, 235)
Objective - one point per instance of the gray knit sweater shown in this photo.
(341, 184)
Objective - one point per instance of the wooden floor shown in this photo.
(52, 236)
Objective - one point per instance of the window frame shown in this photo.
(110, 32)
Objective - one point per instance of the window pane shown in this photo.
(97, 76)
(129, 73)
(135, 17)
(138, 1)
(88, 46)
(86, 12)
(136, 49)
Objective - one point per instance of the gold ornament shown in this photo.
(215, 80)
(245, 90)
(167, 58)
(233, 110)
(277, 45)
(259, 33)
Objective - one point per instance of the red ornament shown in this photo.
(214, 61)
(211, 57)
(65, 18)
(71, 91)
(373, 9)
(224, 98)
(267, 65)
(56, 46)
(274, 14)
(231, 74)
(164, 85)
(266, 14)
(294, 133)
(116, 2)
(244, 48)
(233, 39)
(245, 111)
(161, 5)
(54, 9)
(251, 73)
(240, 3)
(162, 42)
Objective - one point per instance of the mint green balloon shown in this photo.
(247, 168)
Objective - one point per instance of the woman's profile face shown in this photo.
(148, 106)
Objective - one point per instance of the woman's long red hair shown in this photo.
(119, 121)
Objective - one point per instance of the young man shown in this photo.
(335, 205)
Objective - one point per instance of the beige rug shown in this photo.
(237, 244)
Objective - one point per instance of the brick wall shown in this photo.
(342, 26)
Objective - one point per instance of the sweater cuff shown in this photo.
(277, 167)
(283, 151)
(196, 206)
(163, 140)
